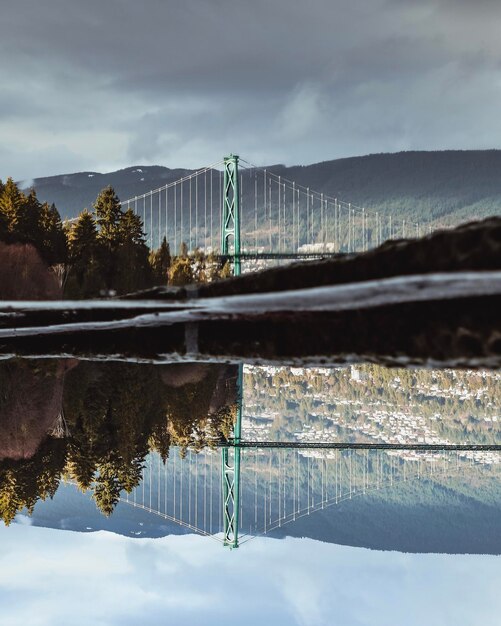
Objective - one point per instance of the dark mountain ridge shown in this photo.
(445, 187)
(415, 516)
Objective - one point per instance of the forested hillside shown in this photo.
(372, 403)
(444, 187)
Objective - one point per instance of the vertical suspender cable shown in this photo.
(255, 211)
(349, 228)
(181, 216)
(175, 220)
(307, 215)
(190, 480)
(364, 234)
(240, 191)
(220, 204)
(269, 214)
(166, 213)
(205, 211)
(151, 220)
(322, 220)
(211, 216)
(298, 219)
(191, 229)
(284, 222)
(144, 214)
(279, 210)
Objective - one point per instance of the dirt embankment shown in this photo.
(24, 275)
(31, 394)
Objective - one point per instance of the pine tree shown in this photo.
(29, 227)
(84, 258)
(24, 219)
(160, 261)
(108, 216)
(53, 240)
(130, 229)
(82, 238)
(133, 269)
(13, 206)
(4, 227)
(107, 489)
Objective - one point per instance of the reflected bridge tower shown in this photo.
(230, 456)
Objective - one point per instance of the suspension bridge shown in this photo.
(236, 209)
(280, 485)
(250, 487)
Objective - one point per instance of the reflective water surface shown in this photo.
(361, 457)
(81, 441)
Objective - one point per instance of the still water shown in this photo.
(323, 529)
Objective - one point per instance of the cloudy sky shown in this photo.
(98, 85)
(55, 578)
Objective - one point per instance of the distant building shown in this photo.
(356, 375)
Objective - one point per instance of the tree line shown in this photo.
(112, 416)
(103, 250)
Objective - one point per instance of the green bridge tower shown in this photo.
(231, 212)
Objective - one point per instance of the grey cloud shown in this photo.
(178, 82)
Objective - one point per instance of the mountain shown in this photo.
(450, 516)
(445, 187)
(71, 193)
(70, 509)
(416, 516)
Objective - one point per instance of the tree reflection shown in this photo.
(113, 415)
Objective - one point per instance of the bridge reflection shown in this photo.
(279, 486)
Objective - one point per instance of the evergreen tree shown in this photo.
(24, 482)
(133, 269)
(109, 220)
(52, 242)
(107, 488)
(160, 440)
(130, 229)
(160, 261)
(108, 216)
(84, 258)
(82, 238)
(29, 227)
(24, 219)
(13, 206)
(4, 226)
(3, 218)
